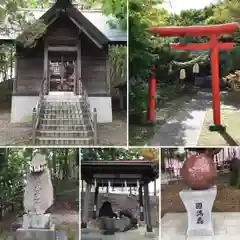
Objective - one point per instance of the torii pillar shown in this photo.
(213, 32)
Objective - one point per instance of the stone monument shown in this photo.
(198, 173)
(38, 198)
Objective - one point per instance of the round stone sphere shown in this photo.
(199, 172)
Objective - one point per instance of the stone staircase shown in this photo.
(64, 120)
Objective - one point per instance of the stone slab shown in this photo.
(42, 221)
(199, 210)
(36, 234)
(225, 225)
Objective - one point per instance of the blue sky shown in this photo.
(179, 5)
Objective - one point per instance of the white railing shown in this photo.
(37, 110)
(92, 119)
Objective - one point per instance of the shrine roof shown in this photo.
(148, 170)
(94, 16)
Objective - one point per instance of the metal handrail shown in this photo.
(93, 120)
(37, 110)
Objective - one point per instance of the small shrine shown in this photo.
(119, 174)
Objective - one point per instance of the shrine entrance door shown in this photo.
(62, 71)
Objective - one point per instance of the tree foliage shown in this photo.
(112, 154)
(13, 169)
(118, 64)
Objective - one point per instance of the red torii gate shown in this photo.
(213, 31)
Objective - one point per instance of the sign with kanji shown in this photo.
(199, 213)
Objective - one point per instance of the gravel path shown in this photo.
(13, 133)
(114, 133)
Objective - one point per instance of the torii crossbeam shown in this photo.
(214, 32)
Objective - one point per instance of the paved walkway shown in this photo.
(138, 234)
(184, 128)
(226, 226)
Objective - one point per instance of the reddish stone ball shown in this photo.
(199, 172)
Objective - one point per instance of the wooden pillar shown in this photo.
(95, 202)
(147, 208)
(11, 63)
(140, 194)
(45, 68)
(86, 204)
(155, 188)
(79, 68)
(122, 98)
(15, 81)
(108, 79)
(82, 187)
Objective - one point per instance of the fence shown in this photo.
(222, 160)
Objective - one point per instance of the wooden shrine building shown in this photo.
(119, 174)
(73, 47)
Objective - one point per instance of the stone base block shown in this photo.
(110, 223)
(36, 234)
(121, 223)
(42, 221)
(217, 128)
(151, 235)
(199, 210)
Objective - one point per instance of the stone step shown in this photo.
(63, 101)
(64, 133)
(60, 105)
(66, 113)
(60, 127)
(63, 117)
(65, 141)
(61, 110)
(63, 121)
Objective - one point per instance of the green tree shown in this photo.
(13, 168)
(112, 154)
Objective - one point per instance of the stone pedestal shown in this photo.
(39, 221)
(36, 234)
(38, 227)
(198, 204)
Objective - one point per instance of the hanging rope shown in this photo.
(199, 59)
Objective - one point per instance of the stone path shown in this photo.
(226, 226)
(137, 234)
(184, 128)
